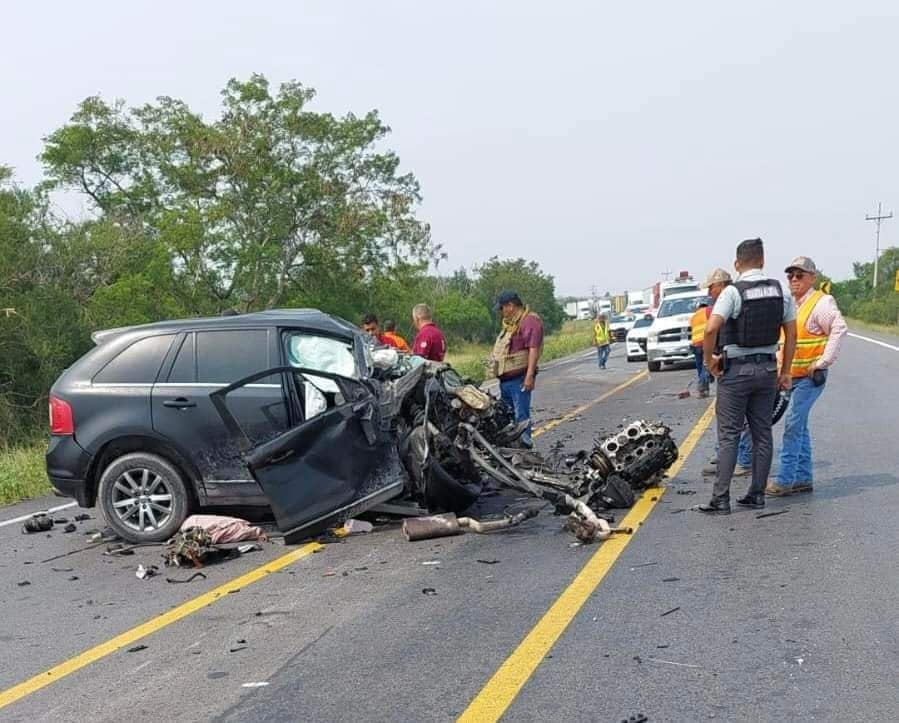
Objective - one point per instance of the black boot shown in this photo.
(716, 506)
(751, 500)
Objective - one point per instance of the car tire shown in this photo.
(654, 366)
(156, 490)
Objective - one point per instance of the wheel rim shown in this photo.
(142, 500)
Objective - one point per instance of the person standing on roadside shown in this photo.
(515, 355)
(820, 329)
(601, 339)
(429, 341)
(749, 317)
(697, 334)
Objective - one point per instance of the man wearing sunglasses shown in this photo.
(750, 315)
(819, 335)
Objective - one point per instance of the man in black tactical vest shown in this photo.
(740, 349)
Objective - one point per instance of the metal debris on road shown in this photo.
(189, 579)
(71, 527)
(668, 612)
(429, 591)
(772, 514)
(23, 583)
(447, 525)
(671, 662)
(431, 562)
(489, 562)
(137, 648)
(260, 684)
(670, 579)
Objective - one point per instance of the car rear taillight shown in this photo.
(62, 422)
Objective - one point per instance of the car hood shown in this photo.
(671, 322)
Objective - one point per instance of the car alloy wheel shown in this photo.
(142, 499)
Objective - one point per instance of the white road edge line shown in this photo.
(14, 520)
(873, 341)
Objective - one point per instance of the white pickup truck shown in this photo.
(668, 339)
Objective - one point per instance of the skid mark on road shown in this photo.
(499, 692)
(32, 685)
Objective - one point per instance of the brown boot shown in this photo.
(775, 490)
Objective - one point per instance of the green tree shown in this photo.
(255, 207)
(536, 288)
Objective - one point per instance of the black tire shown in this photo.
(654, 366)
(149, 479)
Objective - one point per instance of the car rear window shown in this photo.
(226, 356)
(138, 363)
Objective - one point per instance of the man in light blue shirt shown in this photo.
(740, 349)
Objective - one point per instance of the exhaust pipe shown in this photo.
(447, 525)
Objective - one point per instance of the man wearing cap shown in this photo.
(750, 315)
(820, 329)
(515, 356)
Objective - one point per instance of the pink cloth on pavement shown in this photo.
(225, 529)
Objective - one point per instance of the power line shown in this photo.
(877, 221)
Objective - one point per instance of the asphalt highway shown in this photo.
(784, 617)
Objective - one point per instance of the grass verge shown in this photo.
(892, 329)
(22, 473)
(574, 336)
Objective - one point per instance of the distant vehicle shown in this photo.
(635, 297)
(638, 310)
(681, 285)
(581, 309)
(620, 325)
(668, 339)
(635, 342)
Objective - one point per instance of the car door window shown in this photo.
(225, 356)
(138, 363)
(324, 353)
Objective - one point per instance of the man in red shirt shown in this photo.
(429, 342)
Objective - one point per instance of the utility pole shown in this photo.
(667, 274)
(877, 221)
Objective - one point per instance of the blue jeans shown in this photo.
(512, 392)
(702, 374)
(796, 454)
(602, 354)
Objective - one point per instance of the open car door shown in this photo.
(338, 457)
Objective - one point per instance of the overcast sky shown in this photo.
(608, 141)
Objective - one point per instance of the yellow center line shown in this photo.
(584, 407)
(499, 692)
(32, 685)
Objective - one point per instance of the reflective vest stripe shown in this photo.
(809, 347)
(601, 334)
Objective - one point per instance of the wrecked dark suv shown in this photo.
(296, 410)
(135, 431)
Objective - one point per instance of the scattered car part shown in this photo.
(447, 525)
(38, 523)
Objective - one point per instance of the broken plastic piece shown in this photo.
(142, 573)
(354, 527)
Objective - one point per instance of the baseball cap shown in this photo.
(716, 276)
(507, 296)
(803, 263)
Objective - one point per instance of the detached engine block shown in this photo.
(639, 453)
